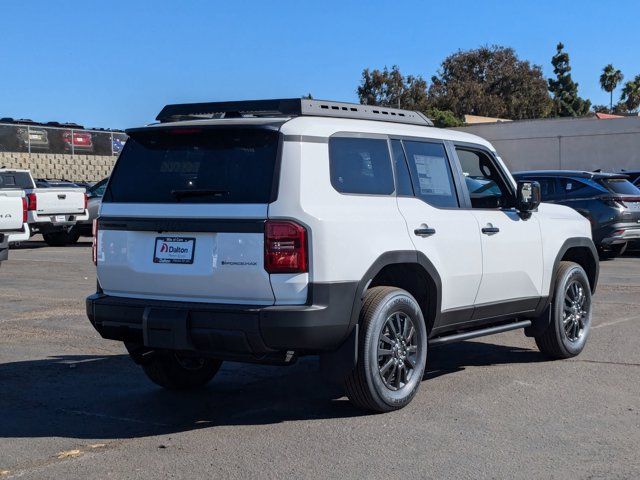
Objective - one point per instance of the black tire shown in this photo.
(564, 337)
(366, 386)
(613, 251)
(174, 372)
(61, 239)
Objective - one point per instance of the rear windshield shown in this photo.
(17, 180)
(620, 185)
(214, 165)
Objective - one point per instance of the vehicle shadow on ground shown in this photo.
(108, 397)
(35, 244)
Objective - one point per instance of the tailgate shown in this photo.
(11, 210)
(53, 201)
(214, 260)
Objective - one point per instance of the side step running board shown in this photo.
(478, 333)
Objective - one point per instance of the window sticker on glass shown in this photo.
(569, 185)
(433, 176)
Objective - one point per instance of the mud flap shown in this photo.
(166, 328)
(335, 366)
(540, 324)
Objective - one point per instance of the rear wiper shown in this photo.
(198, 193)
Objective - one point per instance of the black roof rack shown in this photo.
(289, 107)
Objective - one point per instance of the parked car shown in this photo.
(34, 138)
(52, 211)
(608, 200)
(117, 144)
(300, 227)
(81, 140)
(95, 194)
(52, 183)
(13, 215)
(13, 184)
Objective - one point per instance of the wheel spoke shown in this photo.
(386, 339)
(392, 326)
(386, 366)
(384, 352)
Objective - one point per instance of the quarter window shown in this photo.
(403, 178)
(431, 173)
(360, 165)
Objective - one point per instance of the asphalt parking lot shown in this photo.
(74, 406)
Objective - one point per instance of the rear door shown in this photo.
(183, 215)
(428, 198)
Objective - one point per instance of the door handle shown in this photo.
(424, 231)
(490, 230)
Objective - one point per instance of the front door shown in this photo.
(512, 261)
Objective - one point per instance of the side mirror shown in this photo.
(528, 196)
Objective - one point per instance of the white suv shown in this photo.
(262, 231)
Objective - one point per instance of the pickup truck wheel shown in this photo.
(60, 239)
(392, 351)
(568, 330)
(175, 372)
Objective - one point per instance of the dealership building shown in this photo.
(608, 142)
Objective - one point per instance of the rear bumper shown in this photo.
(47, 223)
(232, 332)
(620, 233)
(21, 236)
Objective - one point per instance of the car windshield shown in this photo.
(621, 186)
(196, 165)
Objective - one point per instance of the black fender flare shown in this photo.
(572, 243)
(393, 258)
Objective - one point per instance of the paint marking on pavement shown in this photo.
(608, 324)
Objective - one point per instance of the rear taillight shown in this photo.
(86, 201)
(285, 247)
(32, 202)
(25, 210)
(94, 245)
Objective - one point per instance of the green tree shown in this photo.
(389, 88)
(630, 98)
(490, 81)
(566, 101)
(609, 80)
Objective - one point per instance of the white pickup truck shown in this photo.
(53, 212)
(13, 215)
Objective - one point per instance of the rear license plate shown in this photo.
(174, 250)
(60, 218)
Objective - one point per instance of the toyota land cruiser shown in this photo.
(262, 231)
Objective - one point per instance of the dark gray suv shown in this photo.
(608, 200)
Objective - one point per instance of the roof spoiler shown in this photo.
(289, 107)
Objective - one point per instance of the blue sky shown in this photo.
(116, 63)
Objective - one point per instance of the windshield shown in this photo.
(620, 185)
(196, 165)
(21, 180)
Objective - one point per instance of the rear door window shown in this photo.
(360, 166)
(574, 188)
(431, 173)
(196, 165)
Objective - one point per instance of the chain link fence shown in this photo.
(25, 138)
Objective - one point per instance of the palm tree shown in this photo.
(609, 81)
(631, 94)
